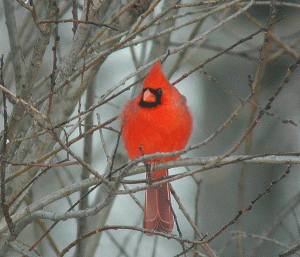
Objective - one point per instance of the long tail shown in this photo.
(158, 215)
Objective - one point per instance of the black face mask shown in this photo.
(157, 93)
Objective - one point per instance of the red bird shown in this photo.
(158, 120)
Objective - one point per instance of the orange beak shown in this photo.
(149, 97)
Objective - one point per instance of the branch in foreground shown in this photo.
(264, 159)
(40, 204)
(275, 158)
(168, 236)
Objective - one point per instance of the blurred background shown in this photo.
(218, 37)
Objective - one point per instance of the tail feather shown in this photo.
(158, 215)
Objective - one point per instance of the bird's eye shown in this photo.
(159, 91)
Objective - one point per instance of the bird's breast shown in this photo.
(160, 129)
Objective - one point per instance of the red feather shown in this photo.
(158, 120)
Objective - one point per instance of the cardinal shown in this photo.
(157, 120)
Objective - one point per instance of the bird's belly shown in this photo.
(148, 136)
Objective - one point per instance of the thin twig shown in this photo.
(205, 246)
(147, 231)
(20, 100)
(76, 21)
(249, 207)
